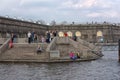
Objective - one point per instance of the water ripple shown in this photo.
(106, 68)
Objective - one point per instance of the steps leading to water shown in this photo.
(24, 51)
(65, 45)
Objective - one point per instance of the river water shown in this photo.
(106, 68)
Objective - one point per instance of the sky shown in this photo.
(79, 11)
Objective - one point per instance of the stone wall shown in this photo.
(111, 33)
(20, 27)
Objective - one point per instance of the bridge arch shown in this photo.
(78, 33)
(60, 34)
(70, 34)
(99, 34)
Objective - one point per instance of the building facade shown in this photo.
(107, 33)
(20, 27)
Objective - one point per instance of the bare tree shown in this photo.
(40, 22)
(53, 23)
(64, 23)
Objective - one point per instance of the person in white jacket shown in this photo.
(29, 37)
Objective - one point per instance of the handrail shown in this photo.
(51, 45)
(92, 48)
(4, 46)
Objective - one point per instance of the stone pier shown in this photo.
(57, 51)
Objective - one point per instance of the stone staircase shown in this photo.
(59, 48)
(65, 45)
(88, 50)
(94, 49)
(24, 52)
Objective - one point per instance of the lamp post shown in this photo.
(119, 50)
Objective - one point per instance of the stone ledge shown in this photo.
(46, 61)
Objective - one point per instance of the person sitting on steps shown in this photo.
(78, 55)
(72, 56)
(39, 49)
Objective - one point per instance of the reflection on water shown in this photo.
(106, 68)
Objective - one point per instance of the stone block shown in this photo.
(54, 54)
(85, 55)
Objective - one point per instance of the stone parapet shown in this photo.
(52, 45)
(2, 40)
(22, 40)
(4, 46)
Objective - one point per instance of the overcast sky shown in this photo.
(62, 10)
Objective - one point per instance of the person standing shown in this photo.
(55, 33)
(29, 37)
(12, 37)
(51, 36)
(42, 39)
(32, 36)
(48, 37)
(35, 38)
(65, 34)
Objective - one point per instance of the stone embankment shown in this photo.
(57, 51)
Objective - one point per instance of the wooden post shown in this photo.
(119, 50)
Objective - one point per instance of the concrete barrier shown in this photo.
(54, 54)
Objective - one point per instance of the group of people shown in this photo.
(13, 37)
(49, 35)
(32, 37)
(74, 56)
